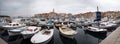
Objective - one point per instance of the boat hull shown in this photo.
(106, 27)
(39, 38)
(67, 36)
(10, 27)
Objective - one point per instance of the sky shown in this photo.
(31, 7)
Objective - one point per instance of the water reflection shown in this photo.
(66, 40)
(82, 37)
(97, 34)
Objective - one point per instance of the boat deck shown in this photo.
(113, 38)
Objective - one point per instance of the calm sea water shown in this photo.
(82, 37)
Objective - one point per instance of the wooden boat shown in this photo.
(43, 36)
(67, 32)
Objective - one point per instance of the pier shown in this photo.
(113, 38)
(2, 41)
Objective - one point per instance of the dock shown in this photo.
(2, 41)
(113, 38)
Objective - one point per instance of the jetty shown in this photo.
(2, 41)
(113, 38)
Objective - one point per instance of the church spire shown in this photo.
(97, 8)
(53, 10)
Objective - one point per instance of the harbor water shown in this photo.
(82, 37)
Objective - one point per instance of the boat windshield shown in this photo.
(42, 20)
(50, 22)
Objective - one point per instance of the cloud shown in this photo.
(41, 6)
(31, 7)
(14, 7)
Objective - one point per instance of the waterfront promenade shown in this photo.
(113, 38)
(2, 41)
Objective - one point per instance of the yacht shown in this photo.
(18, 30)
(14, 25)
(2, 23)
(105, 25)
(94, 29)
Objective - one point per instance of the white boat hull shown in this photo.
(94, 29)
(28, 33)
(42, 39)
(106, 26)
(12, 27)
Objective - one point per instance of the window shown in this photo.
(13, 24)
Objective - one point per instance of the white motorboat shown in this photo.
(43, 36)
(31, 30)
(67, 32)
(94, 29)
(43, 21)
(14, 25)
(18, 30)
(85, 22)
(50, 23)
(105, 25)
(2, 23)
(117, 21)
